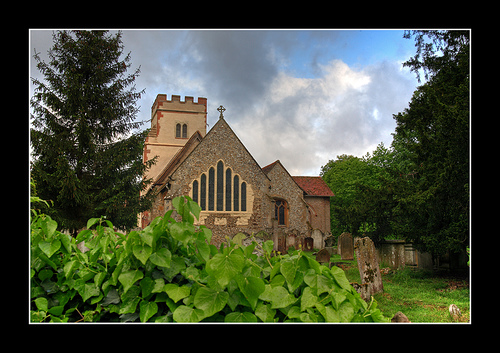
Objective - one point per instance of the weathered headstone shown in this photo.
(299, 242)
(317, 236)
(329, 241)
(323, 256)
(308, 244)
(346, 246)
(282, 248)
(290, 241)
(369, 270)
(277, 233)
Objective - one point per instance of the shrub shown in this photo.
(168, 272)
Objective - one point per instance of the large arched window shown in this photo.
(226, 191)
(281, 211)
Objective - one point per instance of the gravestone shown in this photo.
(369, 270)
(329, 241)
(290, 241)
(346, 246)
(282, 248)
(323, 256)
(308, 244)
(317, 236)
(277, 233)
(299, 242)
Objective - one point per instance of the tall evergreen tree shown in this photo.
(434, 211)
(86, 149)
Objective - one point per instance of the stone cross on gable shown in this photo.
(221, 109)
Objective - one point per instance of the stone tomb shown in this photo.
(369, 270)
(345, 246)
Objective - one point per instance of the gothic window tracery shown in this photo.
(226, 191)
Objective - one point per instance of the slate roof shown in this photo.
(313, 186)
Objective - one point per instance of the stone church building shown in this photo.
(217, 171)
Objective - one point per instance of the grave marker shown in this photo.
(346, 246)
(317, 236)
(308, 244)
(369, 270)
(323, 256)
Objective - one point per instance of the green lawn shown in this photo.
(423, 296)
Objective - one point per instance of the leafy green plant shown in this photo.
(169, 272)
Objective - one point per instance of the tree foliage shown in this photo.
(168, 272)
(87, 157)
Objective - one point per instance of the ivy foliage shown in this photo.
(169, 272)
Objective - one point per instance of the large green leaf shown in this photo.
(264, 312)
(281, 298)
(86, 290)
(210, 301)
(175, 292)
(42, 304)
(49, 226)
(319, 282)
(340, 278)
(49, 248)
(251, 287)
(308, 299)
(180, 232)
(240, 317)
(288, 270)
(147, 309)
(142, 252)
(128, 278)
(225, 267)
(161, 258)
(91, 222)
(185, 313)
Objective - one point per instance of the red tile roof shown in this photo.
(313, 186)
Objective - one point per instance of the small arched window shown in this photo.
(184, 131)
(280, 211)
(178, 131)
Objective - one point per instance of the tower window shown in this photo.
(178, 131)
(184, 131)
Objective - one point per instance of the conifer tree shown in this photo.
(87, 151)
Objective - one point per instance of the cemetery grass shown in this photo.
(423, 296)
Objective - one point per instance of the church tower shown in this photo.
(173, 122)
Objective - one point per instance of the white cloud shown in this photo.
(304, 122)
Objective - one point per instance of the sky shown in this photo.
(301, 96)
